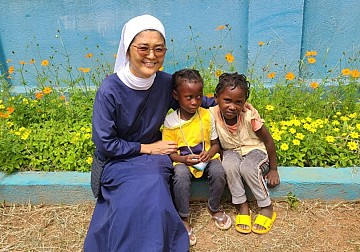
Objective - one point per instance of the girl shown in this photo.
(249, 152)
(193, 129)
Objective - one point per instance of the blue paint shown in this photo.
(289, 27)
(74, 187)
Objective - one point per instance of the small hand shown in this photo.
(204, 156)
(191, 159)
(273, 178)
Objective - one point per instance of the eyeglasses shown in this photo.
(144, 50)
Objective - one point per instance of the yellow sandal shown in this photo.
(265, 222)
(243, 219)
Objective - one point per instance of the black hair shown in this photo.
(191, 75)
(232, 80)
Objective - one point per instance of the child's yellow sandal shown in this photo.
(265, 222)
(243, 219)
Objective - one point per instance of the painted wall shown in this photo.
(49, 29)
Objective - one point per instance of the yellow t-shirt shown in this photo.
(195, 133)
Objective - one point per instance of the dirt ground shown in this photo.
(312, 226)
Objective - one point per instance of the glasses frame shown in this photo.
(147, 52)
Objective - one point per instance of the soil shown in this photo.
(311, 226)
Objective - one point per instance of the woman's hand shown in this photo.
(159, 147)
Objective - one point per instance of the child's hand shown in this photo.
(273, 178)
(192, 159)
(204, 156)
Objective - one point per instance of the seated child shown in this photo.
(193, 129)
(249, 152)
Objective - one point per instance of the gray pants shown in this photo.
(250, 169)
(182, 186)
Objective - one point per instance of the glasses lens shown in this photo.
(145, 50)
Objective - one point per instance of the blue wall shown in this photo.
(289, 28)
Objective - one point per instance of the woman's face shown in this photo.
(143, 64)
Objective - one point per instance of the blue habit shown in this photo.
(135, 211)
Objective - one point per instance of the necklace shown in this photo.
(201, 130)
(237, 133)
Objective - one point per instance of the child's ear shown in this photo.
(175, 95)
(216, 99)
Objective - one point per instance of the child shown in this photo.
(249, 152)
(193, 129)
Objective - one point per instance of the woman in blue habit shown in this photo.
(134, 210)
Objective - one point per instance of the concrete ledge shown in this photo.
(74, 187)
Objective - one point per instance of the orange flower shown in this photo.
(22, 62)
(310, 53)
(32, 61)
(47, 90)
(89, 55)
(62, 97)
(314, 85)
(45, 63)
(10, 110)
(220, 27)
(218, 72)
(311, 60)
(210, 95)
(161, 68)
(11, 69)
(290, 76)
(229, 57)
(271, 75)
(355, 73)
(39, 95)
(84, 70)
(6, 115)
(261, 43)
(346, 71)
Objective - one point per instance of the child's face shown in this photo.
(231, 101)
(189, 95)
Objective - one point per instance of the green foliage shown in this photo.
(48, 126)
(292, 200)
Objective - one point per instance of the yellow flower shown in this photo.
(161, 68)
(353, 115)
(11, 69)
(229, 57)
(261, 43)
(86, 70)
(296, 142)
(290, 76)
(220, 27)
(358, 126)
(300, 136)
(277, 137)
(89, 160)
(344, 118)
(218, 72)
(21, 62)
(355, 73)
(311, 60)
(89, 55)
(292, 130)
(269, 107)
(354, 135)
(45, 63)
(336, 129)
(32, 61)
(314, 85)
(352, 146)
(346, 71)
(47, 90)
(330, 139)
(271, 75)
(8, 60)
(284, 146)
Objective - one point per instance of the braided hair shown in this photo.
(232, 80)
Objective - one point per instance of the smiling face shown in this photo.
(145, 66)
(231, 102)
(189, 94)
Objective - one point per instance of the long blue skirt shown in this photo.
(136, 212)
